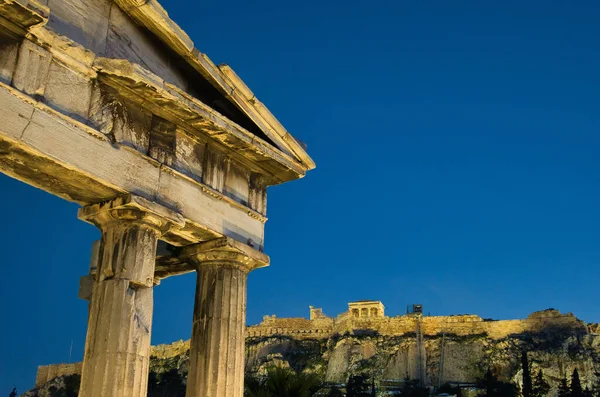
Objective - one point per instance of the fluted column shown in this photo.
(217, 345)
(120, 320)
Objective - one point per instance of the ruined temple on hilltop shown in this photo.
(370, 315)
(366, 309)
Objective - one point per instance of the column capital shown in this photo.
(134, 209)
(224, 252)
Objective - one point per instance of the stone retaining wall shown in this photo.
(430, 325)
(48, 372)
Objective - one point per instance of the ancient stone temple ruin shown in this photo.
(371, 317)
(107, 103)
(366, 309)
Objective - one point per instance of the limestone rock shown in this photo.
(466, 358)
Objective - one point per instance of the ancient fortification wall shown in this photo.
(302, 328)
(48, 372)
(323, 326)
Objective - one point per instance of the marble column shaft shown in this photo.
(217, 344)
(116, 359)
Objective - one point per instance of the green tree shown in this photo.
(563, 389)
(527, 384)
(358, 386)
(254, 387)
(488, 382)
(72, 383)
(496, 388)
(576, 390)
(506, 389)
(540, 386)
(282, 382)
(166, 384)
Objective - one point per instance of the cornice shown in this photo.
(172, 103)
(150, 14)
(18, 17)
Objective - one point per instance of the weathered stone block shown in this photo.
(189, 155)
(31, 73)
(9, 50)
(120, 119)
(237, 183)
(162, 141)
(103, 106)
(214, 169)
(132, 127)
(257, 194)
(11, 126)
(82, 151)
(128, 41)
(86, 286)
(68, 92)
(84, 21)
(210, 210)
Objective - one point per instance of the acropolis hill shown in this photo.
(413, 345)
(370, 315)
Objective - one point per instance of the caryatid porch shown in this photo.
(177, 150)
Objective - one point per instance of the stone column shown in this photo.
(217, 345)
(120, 320)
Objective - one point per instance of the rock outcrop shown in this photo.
(464, 347)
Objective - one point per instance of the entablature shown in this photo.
(94, 127)
(157, 119)
(282, 161)
(166, 100)
(44, 148)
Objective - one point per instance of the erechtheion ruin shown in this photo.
(107, 103)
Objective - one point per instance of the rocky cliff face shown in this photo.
(465, 358)
(435, 350)
(555, 350)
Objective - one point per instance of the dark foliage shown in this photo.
(563, 389)
(596, 385)
(282, 382)
(527, 384)
(358, 386)
(496, 388)
(166, 384)
(71, 388)
(576, 390)
(540, 386)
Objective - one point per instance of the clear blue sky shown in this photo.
(457, 166)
